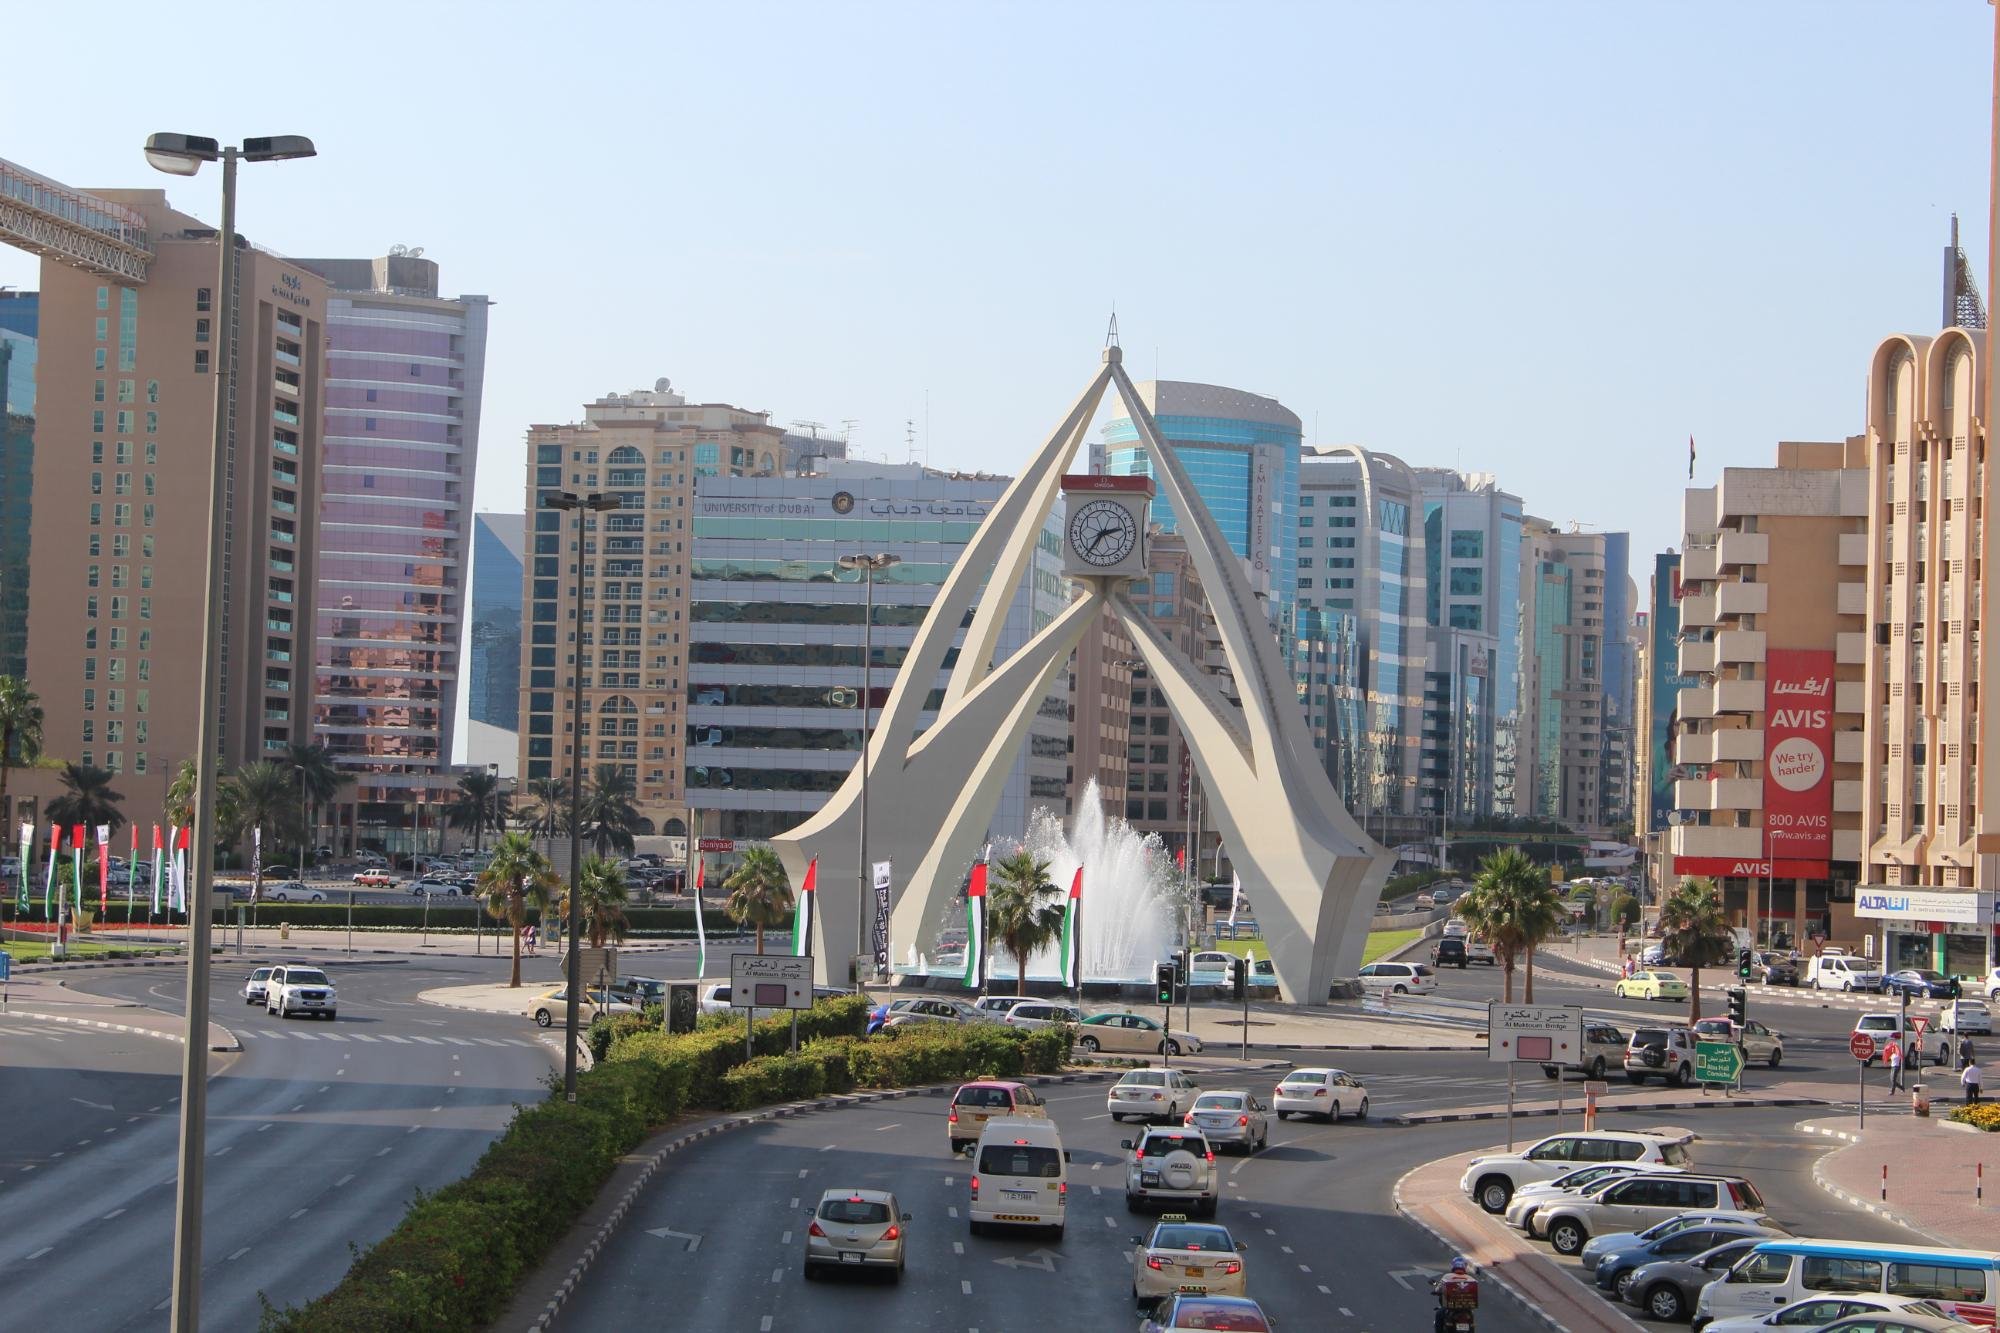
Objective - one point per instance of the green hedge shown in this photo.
(458, 1255)
(451, 911)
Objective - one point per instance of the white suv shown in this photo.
(1492, 1180)
(1635, 1204)
(299, 990)
(1171, 1166)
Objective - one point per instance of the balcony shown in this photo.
(1849, 696)
(285, 447)
(1846, 797)
(1850, 648)
(280, 596)
(1696, 657)
(1742, 548)
(1698, 564)
(277, 715)
(1854, 548)
(1719, 794)
(280, 565)
(1745, 844)
(282, 506)
(1720, 746)
(1742, 599)
(284, 418)
(280, 535)
(1849, 747)
(1739, 645)
(1698, 612)
(1739, 696)
(276, 655)
(1851, 599)
(278, 626)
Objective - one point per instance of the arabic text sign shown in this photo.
(1539, 1032)
(1798, 736)
(770, 981)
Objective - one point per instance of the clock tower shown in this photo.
(1104, 535)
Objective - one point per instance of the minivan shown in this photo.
(1961, 1282)
(1020, 1176)
(1843, 972)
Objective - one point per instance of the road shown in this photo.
(317, 1134)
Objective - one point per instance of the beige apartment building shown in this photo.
(1101, 698)
(1933, 847)
(628, 649)
(1768, 745)
(119, 533)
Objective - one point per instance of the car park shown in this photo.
(1603, 1049)
(1491, 1178)
(1020, 1176)
(292, 892)
(1526, 1206)
(1039, 1014)
(366, 859)
(1326, 1094)
(1189, 1313)
(1133, 1034)
(1399, 978)
(1966, 1018)
(1667, 1288)
(1759, 1044)
(856, 1229)
(1230, 1118)
(1920, 983)
(253, 986)
(975, 1103)
(1779, 1272)
(1179, 1256)
(554, 1004)
(1171, 1164)
(1618, 1262)
(1819, 1312)
(1666, 1054)
(1150, 1094)
(292, 989)
(1650, 986)
(1640, 1201)
(1534, 1195)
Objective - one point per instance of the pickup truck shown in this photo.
(374, 879)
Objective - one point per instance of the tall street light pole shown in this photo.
(305, 833)
(182, 155)
(868, 565)
(584, 505)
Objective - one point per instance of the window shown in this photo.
(1467, 581)
(1827, 1273)
(1763, 1269)
(100, 358)
(97, 392)
(415, 369)
(152, 428)
(1467, 545)
(201, 358)
(1554, 1150)
(1938, 1282)
(127, 391)
(104, 327)
(201, 295)
(90, 573)
(152, 391)
(97, 421)
(1467, 617)
(201, 326)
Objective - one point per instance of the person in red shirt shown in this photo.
(1892, 1055)
(1456, 1290)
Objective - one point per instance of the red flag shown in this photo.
(157, 845)
(135, 840)
(181, 843)
(77, 843)
(1180, 856)
(977, 887)
(700, 872)
(812, 876)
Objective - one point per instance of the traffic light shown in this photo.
(1180, 968)
(1163, 981)
(1239, 977)
(1743, 964)
(1739, 1005)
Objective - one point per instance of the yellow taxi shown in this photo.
(1196, 1258)
(982, 1100)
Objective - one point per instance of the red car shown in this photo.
(374, 879)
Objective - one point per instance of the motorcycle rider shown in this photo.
(1457, 1295)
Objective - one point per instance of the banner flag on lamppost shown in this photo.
(884, 870)
(103, 871)
(49, 883)
(700, 931)
(27, 861)
(76, 837)
(802, 918)
(177, 873)
(159, 868)
(1072, 939)
(975, 923)
(132, 876)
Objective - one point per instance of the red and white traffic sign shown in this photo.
(1920, 1022)
(1861, 1046)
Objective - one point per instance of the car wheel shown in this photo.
(1362, 1114)
(543, 1018)
(1550, 1073)
(1284, 1115)
(1131, 1206)
(1847, 985)
(810, 1272)
(1777, 1054)
(1495, 1192)
(1335, 1115)
(1173, 1112)
(1170, 1047)
(1206, 1208)
(1597, 1069)
(1664, 1301)
(1684, 1076)
(1623, 1282)
(1402, 990)
(1087, 1044)
(1567, 1237)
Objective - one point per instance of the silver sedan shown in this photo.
(1230, 1117)
(858, 1229)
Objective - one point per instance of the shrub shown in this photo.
(1983, 1115)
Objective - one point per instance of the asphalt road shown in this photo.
(317, 1134)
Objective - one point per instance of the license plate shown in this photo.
(1149, 1177)
(1191, 1272)
(1017, 1194)
(850, 1256)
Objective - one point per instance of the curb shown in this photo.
(611, 1224)
(232, 1044)
(1519, 1297)
(1421, 1118)
(1275, 1046)
(1882, 1211)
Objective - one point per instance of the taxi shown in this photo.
(1651, 986)
(1189, 1313)
(985, 1099)
(1199, 1258)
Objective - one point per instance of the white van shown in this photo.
(1962, 1282)
(1020, 1176)
(1843, 972)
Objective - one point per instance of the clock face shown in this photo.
(1102, 533)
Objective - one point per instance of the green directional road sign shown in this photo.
(1717, 1062)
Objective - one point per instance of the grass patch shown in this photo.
(37, 951)
(1382, 942)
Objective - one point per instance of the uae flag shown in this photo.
(27, 862)
(1072, 941)
(159, 868)
(975, 923)
(700, 934)
(49, 883)
(76, 836)
(802, 929)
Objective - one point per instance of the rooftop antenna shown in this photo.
(812, 428)
(1111, 330)
(927, 427)
(847, 425)
(910, 439)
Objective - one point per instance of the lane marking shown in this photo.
(765, 1325)
(261, 1128)
(343, 1180)
(220, 1151)
(360, 1037)
(883, 1129)
(825, 1147)
(400, 1041)
(323, 1087)
(297, 1213)
(785, 1239)
(795, 1201)
(113, 1213)
(777, 1274)
(130, 1118)
(958, 1247)
(1343, 1309)
(385, 1152)
(46, 1249)
(802, 1173)
(952, 1210)
(436, 1109)
(239, 1254)
(1304, 1269)
(965, 1287)
(948, 1180)
(1286, 1248)
(300, 1107)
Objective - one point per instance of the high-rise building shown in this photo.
(1660, 693)
(1770, 741)
(1101, 697)
(18, 325)
(626, 649)
(1242, 452)
(404, 373)
(128, 324)
(774, 678)
(494, 692)
(1931, 801)
(1574, 756)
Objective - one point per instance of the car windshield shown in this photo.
(1142, 1081)
(260, 974)
(1881, 1023)
(1303, 1080)
(1175, 1236)
(306, 976)
(1159, 1145)
(1218, 1101)
(1215, 1317)
(1649, 1037)
(1020, 1159)
(853, 1212)
(993, 1098)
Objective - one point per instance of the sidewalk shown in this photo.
(46, 999)
(1932, 1186)
(1538, 1099)
(1430, 1197)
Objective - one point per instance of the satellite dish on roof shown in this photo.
(663, 385)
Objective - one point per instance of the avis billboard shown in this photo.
(1798, 754)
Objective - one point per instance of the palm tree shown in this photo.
(479, 805)
(313, 769)
(1695, 930)
(1512, 907)
(1023, 911)
(87, 799)
(608, 817)
(549, 815)
(20, 728)
(180, 795)
(602, 900)
(263, 796)
(517, 877)
(759, 894)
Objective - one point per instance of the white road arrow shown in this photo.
(1043, 1261)
(1423, 1275)
(693, 1241)
(95, 1106)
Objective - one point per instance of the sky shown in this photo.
(1549, 241)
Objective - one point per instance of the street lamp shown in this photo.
(868, 565)
(305, 815)
(583, 504)
(182, 155)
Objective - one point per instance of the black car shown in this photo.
(1920, 983)
(1776, 969)
(1449, 952)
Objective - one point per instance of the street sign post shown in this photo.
(1862, 1047)
(1541, 1033)
(1717, 1062)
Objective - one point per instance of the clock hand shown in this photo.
(1102, 533)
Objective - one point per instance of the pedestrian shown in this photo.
(1964, 1051)
(1917, 1053)
(1893, 1055)
(1969, 1080)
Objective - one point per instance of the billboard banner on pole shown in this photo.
(882, 870)
(1798, 754)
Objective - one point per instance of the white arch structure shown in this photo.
(1308, 871)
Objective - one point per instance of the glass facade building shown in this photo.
(1664, 687)
(18, 320)
(495, 687)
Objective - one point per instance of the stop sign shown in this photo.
(1861, 1046)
